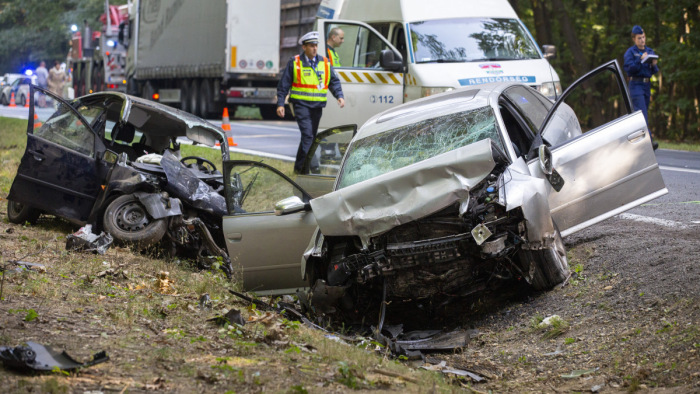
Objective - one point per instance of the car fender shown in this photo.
(159, 206)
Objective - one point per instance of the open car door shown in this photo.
(58, 173)
(370, 73)
(323, 160)
(266, 247)
(607, 168)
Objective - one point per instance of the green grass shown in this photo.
(686, 146)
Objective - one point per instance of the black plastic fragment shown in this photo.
(37, 357)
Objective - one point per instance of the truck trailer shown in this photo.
(196, 55)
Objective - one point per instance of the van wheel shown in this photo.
(548, 267)
(19, 213)
(129, 222)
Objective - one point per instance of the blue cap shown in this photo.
(637, 30)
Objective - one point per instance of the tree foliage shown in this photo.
(590, 32)
(36, 30)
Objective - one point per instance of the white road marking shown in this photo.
(647, 219)
(680, 169)
(235, 137)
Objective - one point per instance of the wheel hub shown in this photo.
(131, 217)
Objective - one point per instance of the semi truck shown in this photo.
(196, 55)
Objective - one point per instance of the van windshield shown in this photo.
(471, 40)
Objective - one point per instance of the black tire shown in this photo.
(184, 96)
(97, 78)
(22, 100)
(269, 112)
(19, 213)
(147, 91)
(205, 99)
(129, 222)
(547, 267)
(193, 97)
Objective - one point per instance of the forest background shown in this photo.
(586, 33)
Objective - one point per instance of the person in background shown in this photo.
(56, 79)
(335, 39)
(640, 64)
(307, 78)
(42, 76)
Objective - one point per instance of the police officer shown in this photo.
(307, 78)
(335, 39)
(640, 67)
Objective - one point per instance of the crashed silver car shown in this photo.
(442, 197)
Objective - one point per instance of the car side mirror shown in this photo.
(110, 157)
(547, 167)
(550, 51)
(290, 205)
(388, 61)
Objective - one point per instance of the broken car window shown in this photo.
(406, 145)
(256, 189)
(65, 128)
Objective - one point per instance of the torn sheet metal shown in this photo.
(520, 189)
(182, 183)
(86, 241)
(37, 357)
(379, 204)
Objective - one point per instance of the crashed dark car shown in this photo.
(445, 196)
(113, 160)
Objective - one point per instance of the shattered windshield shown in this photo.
(471, 40)
(406, 145)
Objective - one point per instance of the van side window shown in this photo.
(361, 48)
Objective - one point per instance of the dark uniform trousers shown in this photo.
(308, 120)
(640, 93)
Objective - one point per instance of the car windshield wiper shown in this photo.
(443, 61)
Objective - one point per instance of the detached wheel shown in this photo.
(548, 267)
(19, 213)
(129, 222)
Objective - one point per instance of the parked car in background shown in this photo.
(8, 78)
(20, 87)
(449, 195)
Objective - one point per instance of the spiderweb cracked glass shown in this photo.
(406, 145)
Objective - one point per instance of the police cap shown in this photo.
(309, 38)
(637, 30)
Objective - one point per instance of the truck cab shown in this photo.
(396, 51)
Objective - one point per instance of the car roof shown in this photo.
(159, 119)
(458, 100)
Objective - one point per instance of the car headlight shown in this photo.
(426, 91)
(551, 90)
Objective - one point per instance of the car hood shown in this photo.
(377, 205)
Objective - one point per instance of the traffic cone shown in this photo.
(12, 100)
(226, 126)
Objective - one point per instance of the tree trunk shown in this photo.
(567, 27)
(542, 23)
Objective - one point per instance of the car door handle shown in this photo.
(636, 136)
(234, 236)
(38, 155)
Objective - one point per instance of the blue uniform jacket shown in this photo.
(634, 66)
(285, 84)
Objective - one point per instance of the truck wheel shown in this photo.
(548, 267)
(184, 96)
(129, 222)
(193, 97)
(81, 85)
(20, 213)
(147, 91)
(205, 98)
(97, 78)
(269, 112)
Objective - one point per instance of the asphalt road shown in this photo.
(681, 170)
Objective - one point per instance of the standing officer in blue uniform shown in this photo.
(640, 67)
(307, 78)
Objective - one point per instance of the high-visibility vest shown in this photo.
(306, 84)
(333, 56)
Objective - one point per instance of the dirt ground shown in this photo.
(629, 321)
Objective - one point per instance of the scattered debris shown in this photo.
(442, 367)
(164, 285)
(85, 240)
(233, 316)
(25, 265)
(37, 357)
(205, 301)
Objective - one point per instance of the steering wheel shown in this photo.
(200, 161)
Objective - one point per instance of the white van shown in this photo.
(401, 50)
